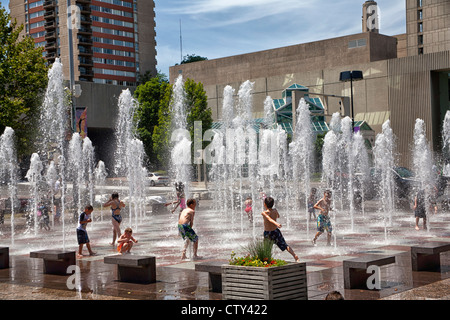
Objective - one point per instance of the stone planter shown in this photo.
(253, 283)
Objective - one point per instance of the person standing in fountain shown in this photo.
(249, 209)
(323, 220)
(181, 197)
(185, 223)
(420, 208)
(116, 206)
(82, 236)
(311, 202)
(272, 227)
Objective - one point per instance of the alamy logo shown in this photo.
(73, 282)
(372, 21)
(262, 145)
(374, 281)
(73, 17)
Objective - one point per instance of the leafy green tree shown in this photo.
(197, 110)
(150, 95)
(161, 132)
(192, 58)
(23, 79)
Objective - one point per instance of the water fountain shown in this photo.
(75, 162)
(8, 170)
(301, 153)
(129, 156)
(51, 176)
(35, 177)
(423, 165)
(181, 161)
(100, 175)
(384, 164)
(54, 126)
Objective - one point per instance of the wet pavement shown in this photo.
(219, 236)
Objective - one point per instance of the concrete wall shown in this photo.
(101, 101)
(289, 60)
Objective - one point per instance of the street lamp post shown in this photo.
(351, 76)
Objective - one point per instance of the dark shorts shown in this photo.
(187, 232)
(82, 236)
(277, 238)
(420, 213)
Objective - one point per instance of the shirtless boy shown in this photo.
(271, 227)
(185, 223)
(323, 220)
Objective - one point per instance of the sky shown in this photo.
(222, 28)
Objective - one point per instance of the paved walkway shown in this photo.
(219, 236)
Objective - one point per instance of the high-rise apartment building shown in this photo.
(113, 40)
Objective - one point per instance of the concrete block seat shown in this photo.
(355, 270)
(4, 257)
(426, 257)
(134, 268)
(55, 261)
(214, 269)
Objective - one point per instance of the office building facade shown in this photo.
(113, 40)
(404, 79)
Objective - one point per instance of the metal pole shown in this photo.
(71, 63)
(351, 93)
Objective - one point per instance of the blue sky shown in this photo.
(221, 28)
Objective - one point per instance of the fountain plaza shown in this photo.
(375, 225)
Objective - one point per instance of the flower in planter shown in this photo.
(259, 255)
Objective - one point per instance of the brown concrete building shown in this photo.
(401, 82)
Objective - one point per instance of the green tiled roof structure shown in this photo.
(283, 112)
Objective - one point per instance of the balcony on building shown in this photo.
(85, 30)
(50, 45)
(50, 14)
(85, 41)
(85, 61)
(84, 51)
(48, 4)
(50, 25)
(85, 20)
(51, 35)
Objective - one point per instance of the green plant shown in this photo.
(259, 255)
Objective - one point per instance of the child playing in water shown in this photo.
(116, 207)
(272, 227)
(82, 236)
(125, 242)
(323, 221)
(181, 198)
(248, 208)
(185, 223)
(420, 208)
(311, 202)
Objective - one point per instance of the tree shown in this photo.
(23, 79)
(192, 58)
(197, 110)
(150, 95)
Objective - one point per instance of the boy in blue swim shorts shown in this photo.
(323, 220)
(82, 236)
(271, 227)
(185, 223)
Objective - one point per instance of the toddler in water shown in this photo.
(126, 241)
(181, 198)
(248, 208)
